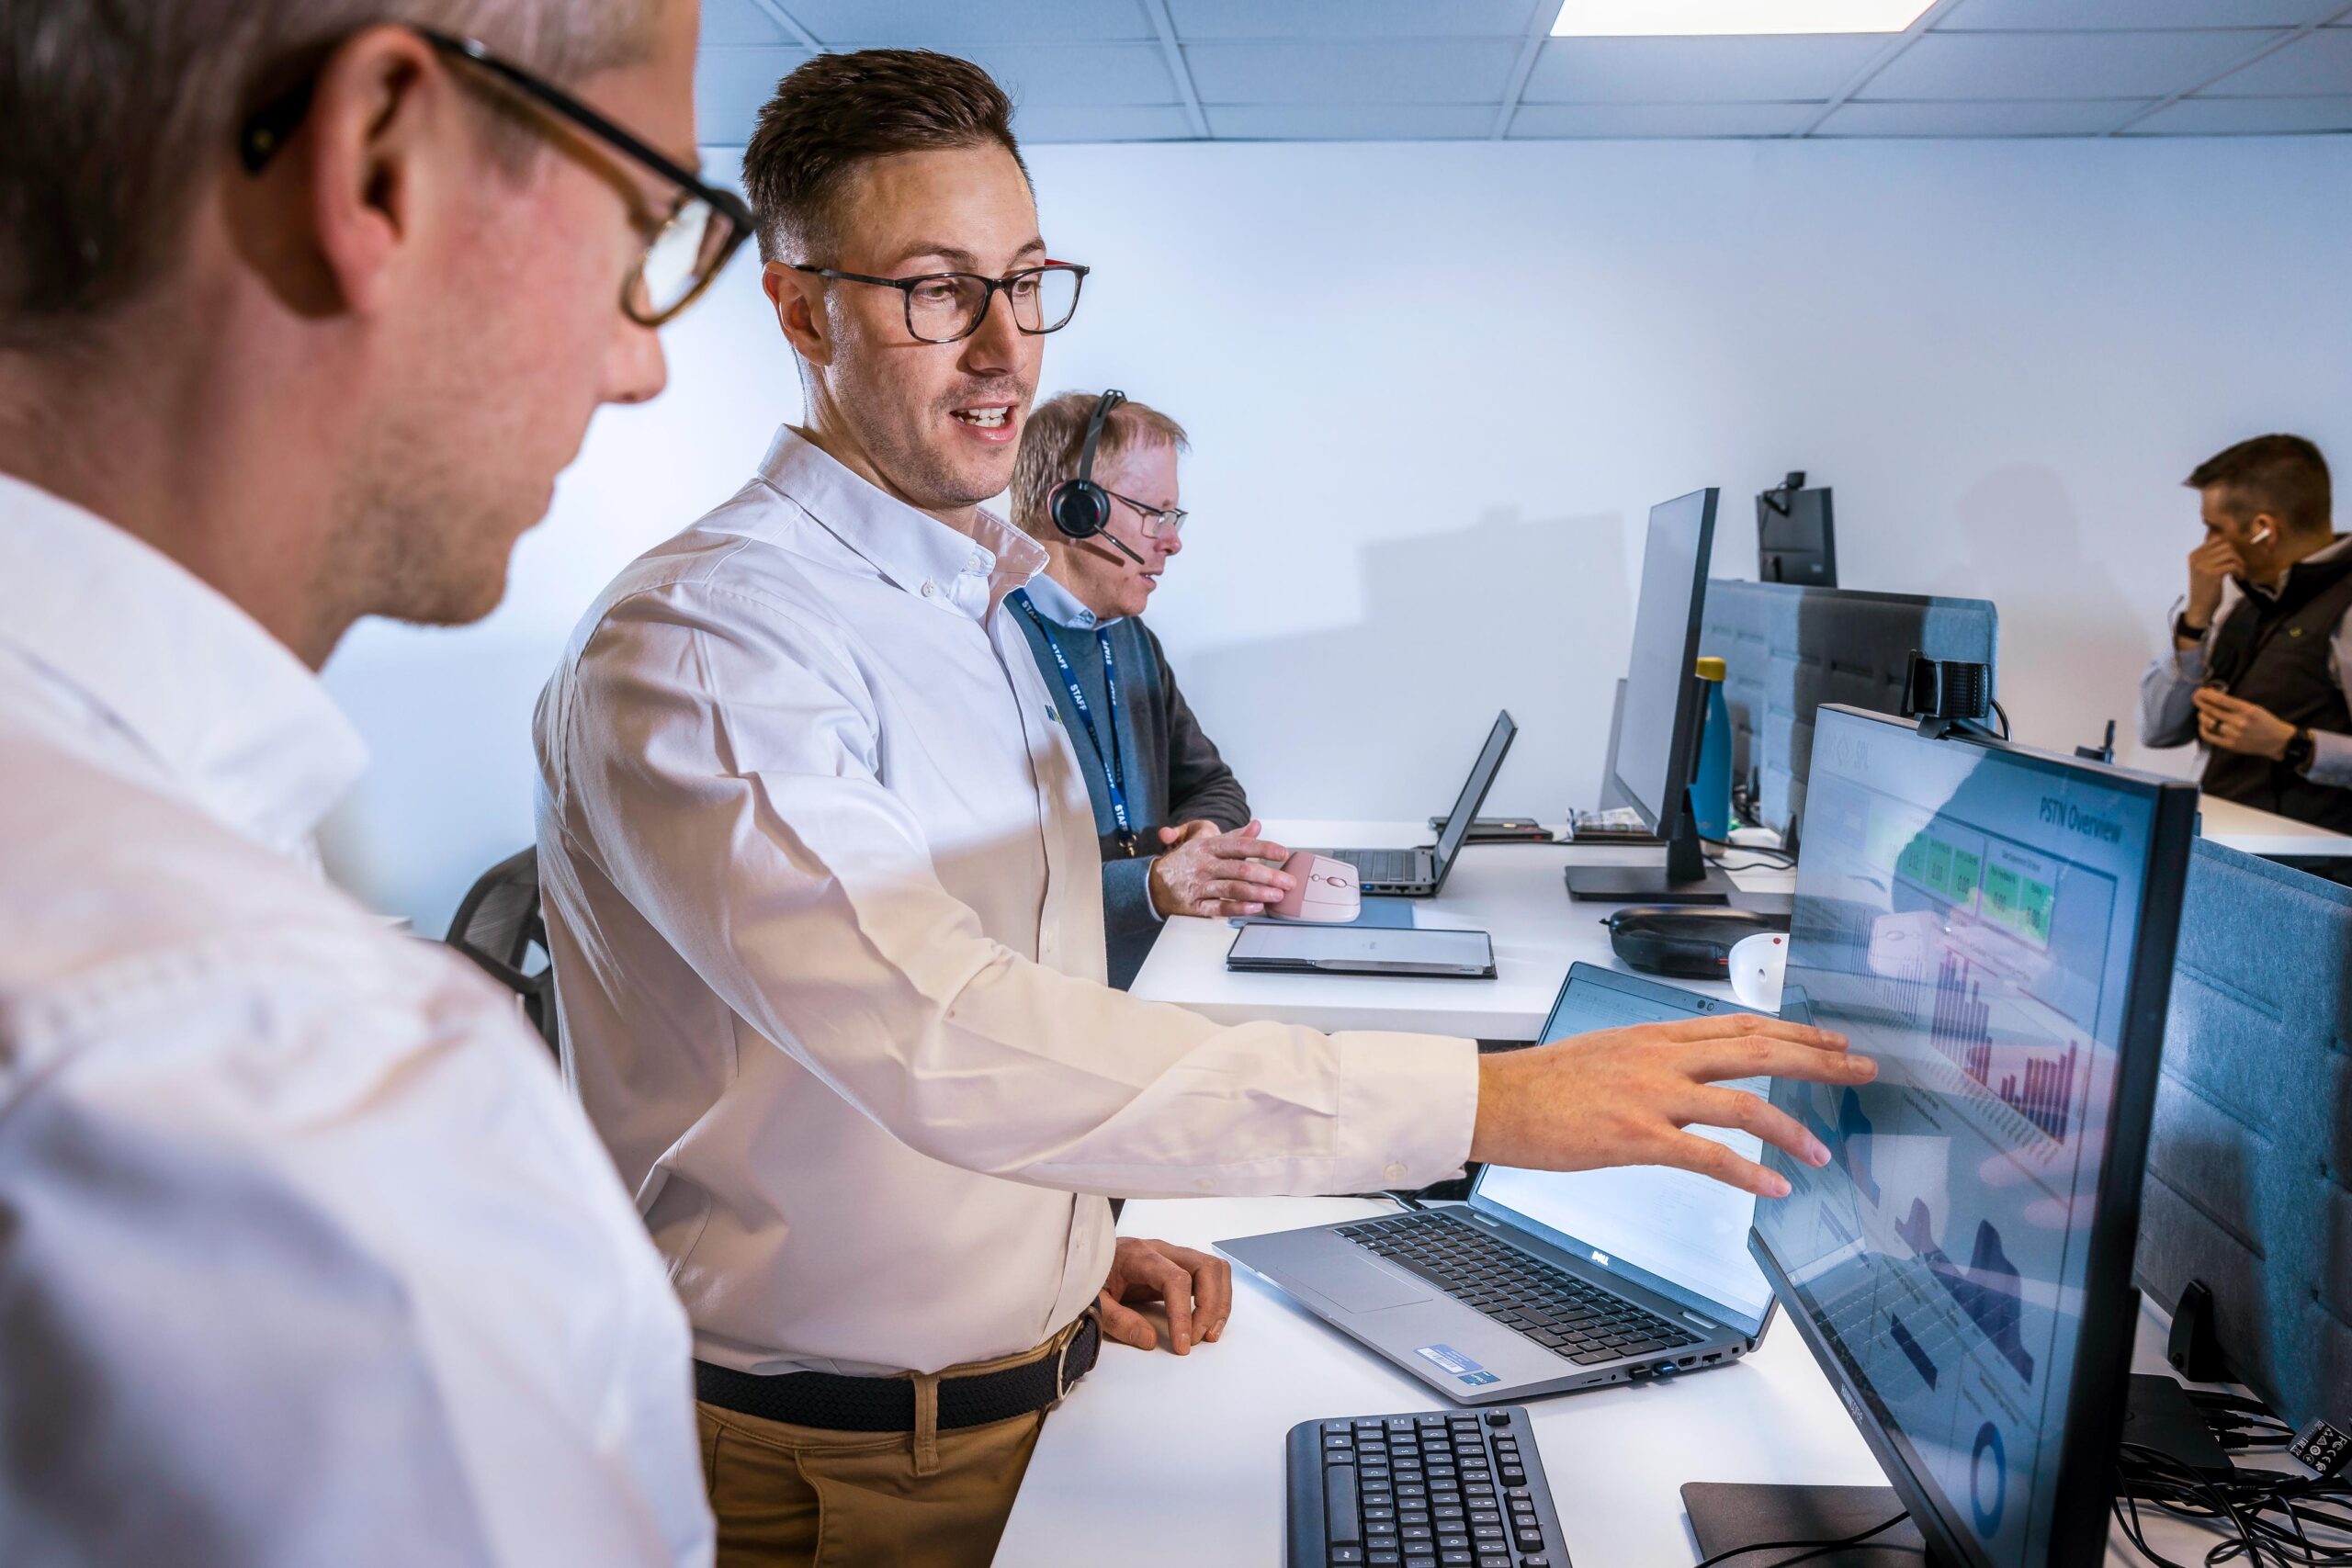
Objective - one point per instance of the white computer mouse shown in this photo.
(1324, 889)
(1758, 965)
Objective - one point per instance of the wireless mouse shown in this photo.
(1690, 941)
(1324, 890)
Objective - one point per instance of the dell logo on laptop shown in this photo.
(1601, 1259)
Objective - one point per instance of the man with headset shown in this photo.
(824, 899)
(1096, 485)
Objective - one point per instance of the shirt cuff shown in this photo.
(1408, 1104)
(1151, 906)
(2331, 759)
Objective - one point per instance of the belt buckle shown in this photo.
(1061, 1364)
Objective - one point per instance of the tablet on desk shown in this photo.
(1359, 950)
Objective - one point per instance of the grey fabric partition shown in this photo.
(2249, 1184)
(1791, 649)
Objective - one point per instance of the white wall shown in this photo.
(1434, 389)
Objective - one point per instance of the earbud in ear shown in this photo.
(2263, 534)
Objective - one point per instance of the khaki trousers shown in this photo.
(793, 1496)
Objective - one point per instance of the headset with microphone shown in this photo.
(1080, 507)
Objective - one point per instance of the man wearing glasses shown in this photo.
(824, 899)
(304, 1259)
(1173, 823)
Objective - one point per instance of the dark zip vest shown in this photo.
(2274, 653)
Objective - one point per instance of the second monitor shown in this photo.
(1658, 731)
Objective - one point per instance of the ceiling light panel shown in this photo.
(1663, 19)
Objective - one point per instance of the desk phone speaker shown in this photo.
(1323, 890)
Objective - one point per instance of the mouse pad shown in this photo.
(1381, 914)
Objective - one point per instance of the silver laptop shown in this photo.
(1546, 1282)
(1418, 874)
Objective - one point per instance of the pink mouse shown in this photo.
(1322, 889)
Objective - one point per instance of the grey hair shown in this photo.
(115, 115)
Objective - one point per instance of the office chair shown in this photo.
(497, 925)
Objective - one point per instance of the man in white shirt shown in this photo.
(823, 894)
(304, 1258)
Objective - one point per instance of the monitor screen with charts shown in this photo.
(1995, 927)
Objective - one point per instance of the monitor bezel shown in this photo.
(1674, 801)
(2103, 1366)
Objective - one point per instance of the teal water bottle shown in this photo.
(1711, 784)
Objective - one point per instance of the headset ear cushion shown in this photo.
(1080, 508)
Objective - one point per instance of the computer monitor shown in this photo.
(1790, 649)
(1658, 730)
(1795, 539)
(1996, 925)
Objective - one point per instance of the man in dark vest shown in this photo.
(2262, 643)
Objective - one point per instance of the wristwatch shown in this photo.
(2184, 632)
(2299, 752)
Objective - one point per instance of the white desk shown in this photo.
(1161, 1459)
(2266, 834)
(1514, 892)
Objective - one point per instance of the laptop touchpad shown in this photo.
(1353, 1285)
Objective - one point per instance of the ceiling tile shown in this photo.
(738, 22)
(1063, 75)
(2318, 65)
(1103, 122)
(2075, 118)
(1372, 71)
(1350, 122)
(1535, 121)
(2131, 14)
(2057, 65)
(928, 24)
(1689, 70)
(2247, 117)
(1357, 19)
(731, 86)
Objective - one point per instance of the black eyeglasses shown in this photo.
(1156, 519)
(706, 225)
(948, 307)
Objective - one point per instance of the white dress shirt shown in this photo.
(304, 1257)
(825, 903)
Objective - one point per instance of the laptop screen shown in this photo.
(1474, 790)
(1678, 1234)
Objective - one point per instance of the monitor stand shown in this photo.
(1685, 878)
(2157, 1413)
(1723, 1516)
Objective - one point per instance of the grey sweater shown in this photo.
(1172, 773)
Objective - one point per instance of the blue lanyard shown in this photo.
(1113, 775)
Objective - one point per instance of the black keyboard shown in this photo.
(1553, 1307)
(1421, 1491)
(1383, 865)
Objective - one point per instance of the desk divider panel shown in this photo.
(2249, 1185)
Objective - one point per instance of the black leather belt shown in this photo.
(832, 1402)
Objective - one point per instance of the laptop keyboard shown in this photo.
(1426, 1491)
(1551, 1306)
(1383, 865)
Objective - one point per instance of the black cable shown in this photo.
(1807, 1550)
(2004, 714)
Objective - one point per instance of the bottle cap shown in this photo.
(1711, 670)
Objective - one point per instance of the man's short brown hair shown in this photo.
(116, 116)
(1057, 430)
(838, 111)
(2282, 475)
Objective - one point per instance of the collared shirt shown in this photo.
(2168, 689)
(1062, 607)
(824, 899)
(304, 1258)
